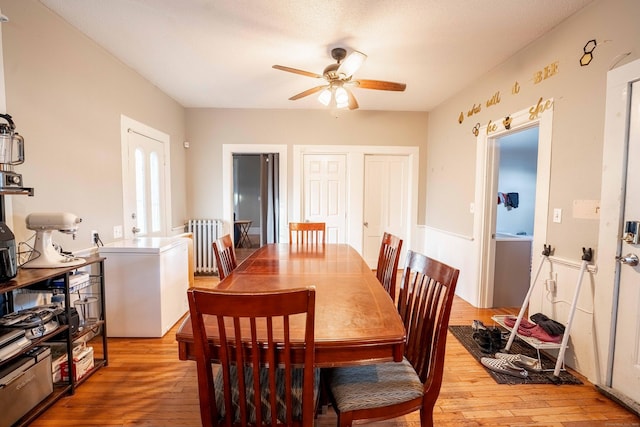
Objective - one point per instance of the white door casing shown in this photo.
(324, 177)
(617, 299)
(385, 201)
(153, 148)
(485, 194)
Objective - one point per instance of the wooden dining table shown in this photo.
(356, 321)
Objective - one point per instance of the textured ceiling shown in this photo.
(219, 53)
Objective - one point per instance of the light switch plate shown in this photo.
(557, 215)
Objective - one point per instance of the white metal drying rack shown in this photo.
(587, 254)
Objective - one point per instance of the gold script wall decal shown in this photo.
(495, 99)
(540, 107)
(474, 110)
(547, 72)
(515, 89)
(491, 127)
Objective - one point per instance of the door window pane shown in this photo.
(154, 182)
(141, 207)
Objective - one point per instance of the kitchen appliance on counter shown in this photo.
(44, 254)
(8, 256)
(11, 154)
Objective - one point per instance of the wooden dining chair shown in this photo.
(307, 232)
(388, 258)
(388, 390)
(225, 255)
(254, 333)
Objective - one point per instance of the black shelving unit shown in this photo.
(36, 278)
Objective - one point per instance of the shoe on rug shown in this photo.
(522, 361)
(504, 367)
(477, 325)
(483, 339)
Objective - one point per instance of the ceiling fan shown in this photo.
(337, 90)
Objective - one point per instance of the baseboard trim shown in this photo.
(619, 398)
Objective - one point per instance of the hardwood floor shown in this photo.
(146, 385)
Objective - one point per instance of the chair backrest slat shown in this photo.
(424, 303)
(307, 232)
(388, 258)
(254, 352)
(225, 255)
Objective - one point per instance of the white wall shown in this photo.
(577, 146)
(66, 96)
(209, 129)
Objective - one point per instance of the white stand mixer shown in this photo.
(44, 254)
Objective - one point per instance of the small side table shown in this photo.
(244, 226)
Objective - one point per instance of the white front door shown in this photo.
(626, 358)
(145, 180)
(325, 193)
(386, 185)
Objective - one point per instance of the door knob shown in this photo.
(629, 259)
(135, 230)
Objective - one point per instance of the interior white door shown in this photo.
(626, 358)
(325, 193)
(145, 207)
(386, 201)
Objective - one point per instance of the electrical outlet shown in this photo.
(94, 237)
(117, 232)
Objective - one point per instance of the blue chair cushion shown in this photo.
(374, 386)
(296, 385)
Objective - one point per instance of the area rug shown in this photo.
(464, 335)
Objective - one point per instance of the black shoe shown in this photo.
(497, 343)
(483, 339)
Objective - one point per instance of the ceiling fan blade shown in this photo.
(308, 92)
(296, 71)
(353, 104)
(380, 85)
(352, 63)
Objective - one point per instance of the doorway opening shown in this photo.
(228, 151)
(517, 156)
(256, 199)
(488, 153)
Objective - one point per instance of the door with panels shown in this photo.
(386, 193)
(325, 193)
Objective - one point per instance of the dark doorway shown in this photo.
(256, 197)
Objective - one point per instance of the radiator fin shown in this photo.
(205, 232)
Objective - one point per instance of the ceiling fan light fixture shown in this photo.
(342, 98)
(325, 97)
(352, 63)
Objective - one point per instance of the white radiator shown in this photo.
(205, 232)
